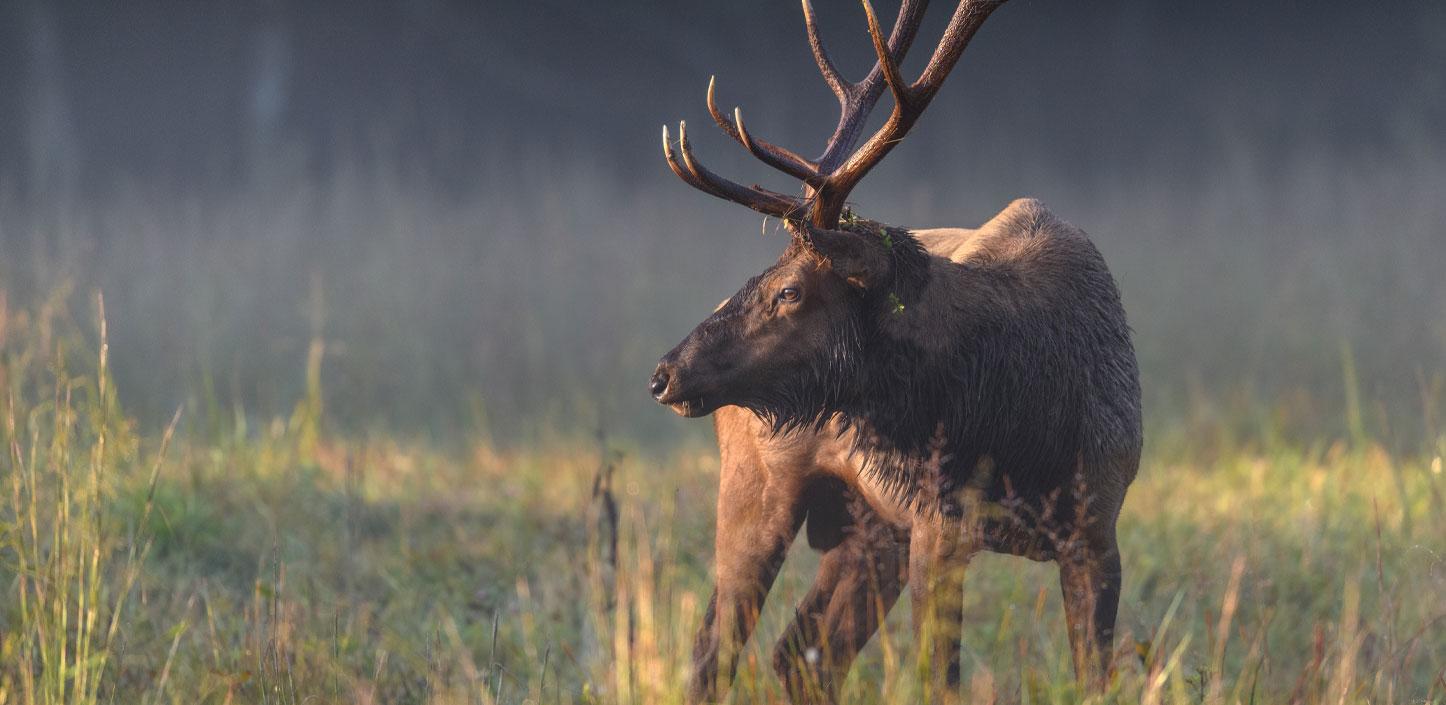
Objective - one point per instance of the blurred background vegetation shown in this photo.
(466, 203)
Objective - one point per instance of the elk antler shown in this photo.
(830, 178)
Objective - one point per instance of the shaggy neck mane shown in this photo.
(865, 376)
(895, 400)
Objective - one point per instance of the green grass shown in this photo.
(279, 563)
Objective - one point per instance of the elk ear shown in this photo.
(861, 259)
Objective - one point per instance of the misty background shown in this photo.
(467, 204)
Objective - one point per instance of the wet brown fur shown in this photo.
(777, 478)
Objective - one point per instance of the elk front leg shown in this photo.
(759, 513)
(1090, 581)
(939, 553)
(859, 579)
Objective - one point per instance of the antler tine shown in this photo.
(909, 102)
(887, 65)
(779, 158)
(841, 88)
(966, 21)
(678, 168)
(857, 100)
(696, 175)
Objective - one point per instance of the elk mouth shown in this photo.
(690, 407)
(687, 404)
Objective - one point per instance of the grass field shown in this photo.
(288, 564)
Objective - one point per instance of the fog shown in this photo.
(467, 205)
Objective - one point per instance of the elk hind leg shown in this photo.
(939, 553)
(1090, 582)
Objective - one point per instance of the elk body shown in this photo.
(986, 395)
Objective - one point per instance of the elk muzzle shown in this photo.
(693, 378)
(670, 388)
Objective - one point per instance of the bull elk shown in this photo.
(972, 389)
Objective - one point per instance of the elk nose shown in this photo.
(659, 383)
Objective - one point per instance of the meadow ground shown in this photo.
(287, 564)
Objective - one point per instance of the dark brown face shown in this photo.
(779, 326)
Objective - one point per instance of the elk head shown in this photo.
(788, 343)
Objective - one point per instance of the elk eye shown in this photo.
(788, 294)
